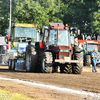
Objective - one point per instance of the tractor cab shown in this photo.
(23, 33)
(57, 36)
(89, 46)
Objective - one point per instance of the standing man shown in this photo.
(94, 60)
(29, 43)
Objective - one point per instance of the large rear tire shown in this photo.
(10, 63)
(45, 60)
(39, 61)
(77, 49)
(88, 60)
(79, 56)
(78, 67)
(66, 69)
(13, 65)
(30, 58)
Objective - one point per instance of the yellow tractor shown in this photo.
(20, 58)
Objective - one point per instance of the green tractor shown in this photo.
(88, 49)
(76, 33)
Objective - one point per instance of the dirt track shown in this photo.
(87, 81)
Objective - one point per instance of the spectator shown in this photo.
(29, 43)
(94, 60)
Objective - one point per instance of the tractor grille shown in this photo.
(64, 48)
(64, 54)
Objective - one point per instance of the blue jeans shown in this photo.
(94, 65)
(93, 68)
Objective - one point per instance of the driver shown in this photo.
(61, 38)
(60, 35)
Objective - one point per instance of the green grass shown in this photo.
(6, 95)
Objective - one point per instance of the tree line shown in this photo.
(84, 14)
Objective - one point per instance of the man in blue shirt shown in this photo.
(94, 60)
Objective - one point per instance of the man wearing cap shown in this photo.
(94, 60)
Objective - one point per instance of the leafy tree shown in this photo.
(4, 15)
(78, 13)
(83, 14)
(95, 23)
(37, 12)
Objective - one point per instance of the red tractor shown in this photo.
(56, 49)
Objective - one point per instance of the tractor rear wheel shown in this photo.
(30, 58)
(78, 67)
(13, 65)
(88, 60)
(10, 63)
(77, 49)
(39, 61)
(79, 56)
(45, 60)
(66, 69)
